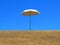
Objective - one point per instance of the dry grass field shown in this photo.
(29, 37)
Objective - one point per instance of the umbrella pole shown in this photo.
(30, 23)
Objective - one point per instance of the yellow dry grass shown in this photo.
(29, 37)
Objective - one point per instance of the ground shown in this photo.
(29, 37)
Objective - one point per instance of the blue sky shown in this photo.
(12, 19)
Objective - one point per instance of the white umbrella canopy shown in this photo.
(30, 12)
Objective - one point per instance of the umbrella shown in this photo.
(30, 12)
